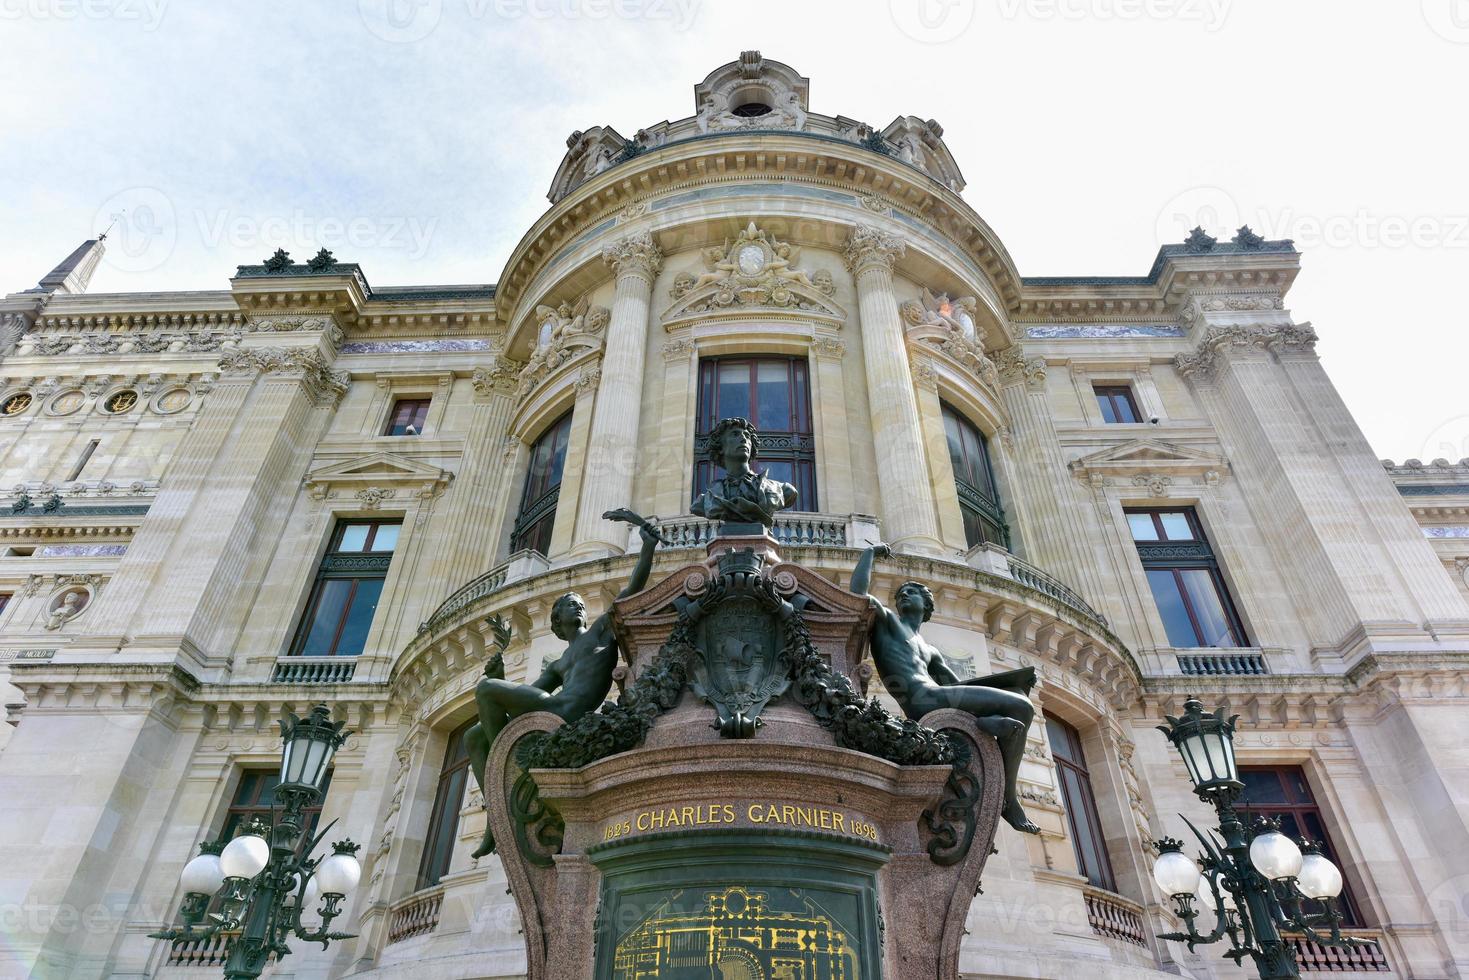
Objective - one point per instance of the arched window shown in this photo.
(984, 518)
(438, 845)
(1087, 838)
(542, 489)
(774, 393)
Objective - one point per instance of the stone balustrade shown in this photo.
(1315, 958)
(1115, 917)
(415, 915)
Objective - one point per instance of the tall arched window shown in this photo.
(438, 846)
(542, 489)
(774, 393)
(979, 502)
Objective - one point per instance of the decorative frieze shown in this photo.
(754, 270)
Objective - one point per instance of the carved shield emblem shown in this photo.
(740, 666)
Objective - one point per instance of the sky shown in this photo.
(419, 137)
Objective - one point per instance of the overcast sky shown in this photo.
(418, 137)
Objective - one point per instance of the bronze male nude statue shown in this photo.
(916, 674)
(583, 673)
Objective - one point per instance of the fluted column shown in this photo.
(475, 523)
(908, 520)
(607, 479)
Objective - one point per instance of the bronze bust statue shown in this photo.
(742, 495)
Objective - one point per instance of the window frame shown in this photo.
(425, 403)
(338, 565)
(1347, 904)
(1104, 877)
(1110, 395)
(796, 445)
(985, 508)
(244, 810)
(1176, 555)
(444, 815)
(538, 515)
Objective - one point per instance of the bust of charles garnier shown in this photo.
(742, 495)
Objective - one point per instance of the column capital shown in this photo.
(1012, 366)
(305, 364)
(1201, 365)
(871, 247)
(501, 376)
(635, 255)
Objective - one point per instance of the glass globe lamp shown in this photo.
(1175, 872)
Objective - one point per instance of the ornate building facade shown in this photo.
(223, 505)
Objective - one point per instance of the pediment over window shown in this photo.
(375, 477)
(755, 271)
(1147, 461)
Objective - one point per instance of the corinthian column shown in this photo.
(908, 520)
(612, 448)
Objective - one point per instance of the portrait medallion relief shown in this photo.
(751, 260)
(67, 605)
(173, 400)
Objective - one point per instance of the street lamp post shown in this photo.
(265, 878)
(1254, 881)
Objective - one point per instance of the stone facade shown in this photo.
(173, 465)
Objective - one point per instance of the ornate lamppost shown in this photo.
(265, 878)
(1254, 881)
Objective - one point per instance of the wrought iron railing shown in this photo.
(415, 915)
(314, 670)
(1114, 917)
(477, 589)
(1222, 663)
(1315, 958)
(1025, 573)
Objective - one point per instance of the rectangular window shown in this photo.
(255, 797)
(1085, 826)
(1282, 793)
(774, 394)
(407, 417)
(537, 517)
(974, 479)
(4, 601)
(1117, 403)
(438, 847)
(348, 584)
(1188, 587)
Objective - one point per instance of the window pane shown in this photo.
(1104, 400)
(1208, 608)
(1171, 608)
(773, 409)
(1143, 528)
(1060, 739)
(326, 616)
(354, 537)
(386, 538)
(1176, 526)
(734, 391)
(779, 469)
(359, 617)
(1262, 786)
(1126, 410)
(1088, 841)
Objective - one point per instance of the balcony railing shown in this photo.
(1025, 573)
(1230, 662)
(201, 952)
(1114, 917)
(1315, 958)
(314, 670)
(415, 915)
(794, 529)
(477, 589)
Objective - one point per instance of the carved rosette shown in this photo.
(635, 255)
(1201, 365)
(873, 248)
(305, 364)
